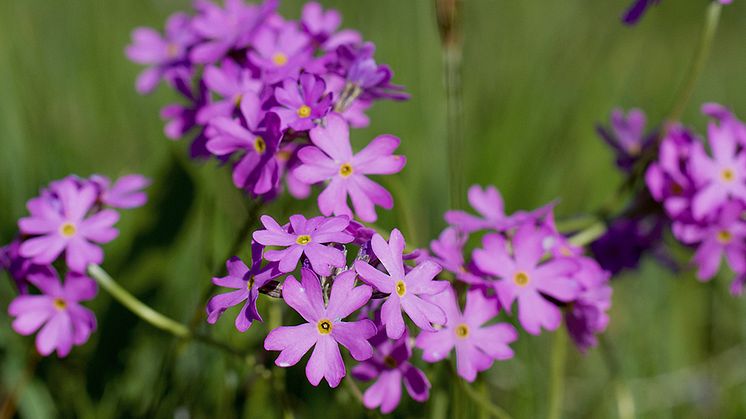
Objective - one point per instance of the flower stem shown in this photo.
(557, 373)
(136, 306)
(712, 18)
(483, 402)
(448, 13)
(589, 235)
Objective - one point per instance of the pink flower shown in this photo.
(63, 224)
(305, 237)
(522, 276)
(62, 322)
(405, 290)
(332, 159)
(302, 101)
(324, 328)
(280, 52)
(125, 193)
(477, 345)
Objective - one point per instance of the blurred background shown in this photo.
(537, 76)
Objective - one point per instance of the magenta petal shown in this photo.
(417, 384)
(436, 345)
(345, 298)
(293, 341)
(306, 299)
(354, 336)
(325, 362)
(392, 318)
(422, 312)
(385, 392)
(374, 277)
(56, 334)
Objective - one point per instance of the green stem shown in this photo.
(701, 54)
(483, 402)
(136, 306)
(557, 373)
(589, 235)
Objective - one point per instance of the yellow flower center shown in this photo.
(401, 288)
(724, 236)
(390, 362)
(324, 326)
(279, 59)
(565, 251)
(728, 175)
(677, 189)
(59, 304)
(282, 155)
(304, 111)
(237, 100)
(68, 230)
(260, 145)
(345, 170)
(521, 279)
(250, 283)
(303, 239)
(462, 331)
(172, 50)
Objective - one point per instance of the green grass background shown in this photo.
(537, 76)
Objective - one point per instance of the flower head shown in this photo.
(325, 328)
(626, 135)
(522, 276)
(305, 237)
(281, 52)
(405, 290)
(587, 315)
(232, 83)
(330, 158)
(449, 253)
(125, 193)
(389, 366)
(477, 345)
(62, 221)
(302, 101)
(246, 283)
(322, 27)
(57, 314)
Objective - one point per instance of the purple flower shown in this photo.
(302, 101)
(361, 70)
(257, 171)
(125, 193)
(587, 315)
(65, 225)
(637, 10)
(15, 265)
(280, 52)
(389, 366)
(62, 322)
(625, 241)
(232, 82)
(477, 345)
(322, 26)
(305, 237)
(226, 29)
(166, 56)
(449, 253)
(325, 328)
(404, 291)
(181, 118)
(626, 136)
(522, 276)
(489, 204)
(287, 159)
(331, 159)
(246, 283)
(725, 236)
(721, 178)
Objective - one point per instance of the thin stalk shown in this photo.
(589, 235)
(625, 401)
(557, 374)
(448, 13)
(489, 407)
(712, 18)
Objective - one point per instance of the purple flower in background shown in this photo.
(669, 179)
(325, 328)
(257, 171)
(489, 204)
(405, 290)
(587, 316)
(246, 283)
(15, 265)
(721, 178)
(522, 276)
(232, 82)
(305, 237)
(322, 25)
(637, 10)
(302, 101)
(125, 193)
(287, 159)
(389, 366)
(354, 112)
(449, 253)
(166, 56)
(625, 241)
(361, 70)
(61, 321)
(725, 236)
(64, 225)
(725, 117)
(226, 29)
(477, 345)
(181, 118)
(626, 135)
(280, 52)
(332, 159)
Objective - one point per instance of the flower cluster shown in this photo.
(72, 216)
(275, 98)
(524, 258)
(637, 10)
(704, 194)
